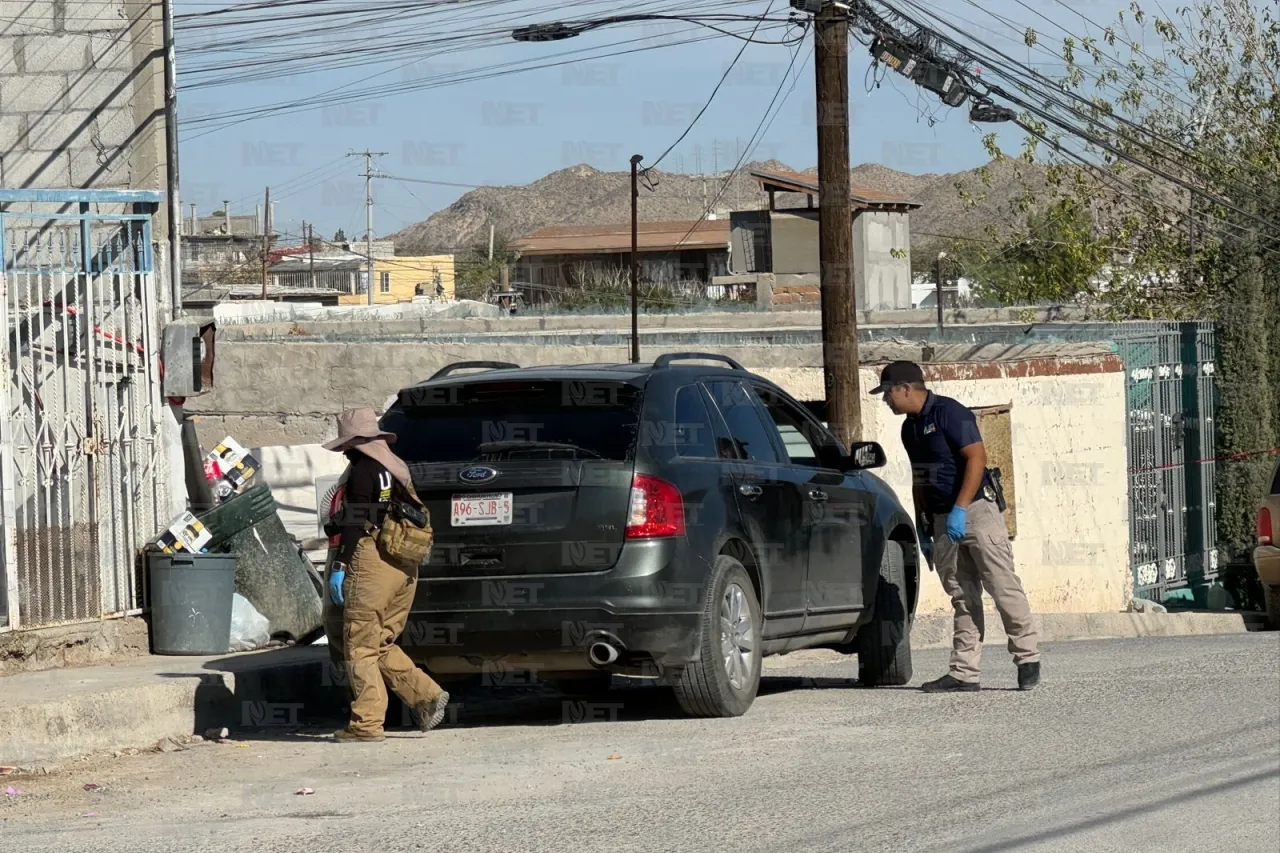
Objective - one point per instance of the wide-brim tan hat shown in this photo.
(358, 426)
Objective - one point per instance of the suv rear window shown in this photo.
(1275, 483)
(527, 420)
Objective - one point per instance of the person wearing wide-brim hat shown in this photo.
(375, 594)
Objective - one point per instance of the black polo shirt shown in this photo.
(933, 440)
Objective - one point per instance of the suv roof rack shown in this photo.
(666, 359)
(464, 365)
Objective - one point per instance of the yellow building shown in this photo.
(402, 277)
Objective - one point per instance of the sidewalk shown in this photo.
(52, 717)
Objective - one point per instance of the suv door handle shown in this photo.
(818, 494)
(750, 491)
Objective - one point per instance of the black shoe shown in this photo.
(947, 684)
(1028, 675)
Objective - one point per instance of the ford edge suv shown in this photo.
(676, 521)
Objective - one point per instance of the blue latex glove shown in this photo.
(955, 523)
(336, 577)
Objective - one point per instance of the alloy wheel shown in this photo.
(737, 636)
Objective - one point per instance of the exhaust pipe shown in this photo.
(602, 653)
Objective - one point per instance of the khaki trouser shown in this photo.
(983, 558)
(378, 596)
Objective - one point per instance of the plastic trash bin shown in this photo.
(271, 570)
(237, 514)
(191, 599)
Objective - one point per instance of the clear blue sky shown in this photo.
(516, 128)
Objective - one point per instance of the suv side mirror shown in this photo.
(864, 455)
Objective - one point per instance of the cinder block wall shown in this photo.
(82, 95)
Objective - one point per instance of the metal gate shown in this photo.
(1172, 476)
(82, 465)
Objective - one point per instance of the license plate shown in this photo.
(481, 510)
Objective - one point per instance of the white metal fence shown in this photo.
(83, 470)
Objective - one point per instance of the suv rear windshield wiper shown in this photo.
(500, 446)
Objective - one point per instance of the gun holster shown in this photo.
(993, 488)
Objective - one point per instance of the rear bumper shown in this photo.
(1266, 559)
(650, 603)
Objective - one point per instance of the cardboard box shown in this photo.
(187, 534)
(229, 462)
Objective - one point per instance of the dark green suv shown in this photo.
(674, 520)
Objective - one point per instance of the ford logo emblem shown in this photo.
(476, 476)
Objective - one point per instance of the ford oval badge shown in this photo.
(478, 475)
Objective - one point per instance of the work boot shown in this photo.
(1028, 675)
(348, 736)
(431, 714)
(948, 684)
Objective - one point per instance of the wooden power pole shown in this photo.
(635, 262)
(266, 239)
(835, 226)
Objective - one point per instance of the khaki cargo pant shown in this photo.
(378, 596)
(982, 559)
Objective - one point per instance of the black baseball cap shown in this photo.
(898, 373)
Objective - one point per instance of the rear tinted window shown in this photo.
(743, 417)
(518, 420)
(694, 437)
(1275, 483)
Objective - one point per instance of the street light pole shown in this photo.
(938, 276)
(171, 158)
(635, 261)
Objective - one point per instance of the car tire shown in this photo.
(884, 643)
(1271, 598)
(724, 680)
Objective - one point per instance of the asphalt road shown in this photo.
(1129, 745)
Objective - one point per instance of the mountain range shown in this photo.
(580, 195)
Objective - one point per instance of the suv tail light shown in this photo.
(1264, 526)
(656, 509)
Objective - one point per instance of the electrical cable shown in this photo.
(1076, 131)
(234, 117)
(766, 122)
(712, 96)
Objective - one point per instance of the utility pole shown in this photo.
(311, 253)
(266, 240)
(938, 275)
(835, 226)
(491, 242)
(635, 262)
(171, 157)
(368, 211)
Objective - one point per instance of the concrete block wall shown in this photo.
(81, 95)
(882, 260)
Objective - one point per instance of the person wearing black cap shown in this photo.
(950, 485)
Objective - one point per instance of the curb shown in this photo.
(933, 630)
(54, 717)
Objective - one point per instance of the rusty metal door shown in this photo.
(82, 466)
